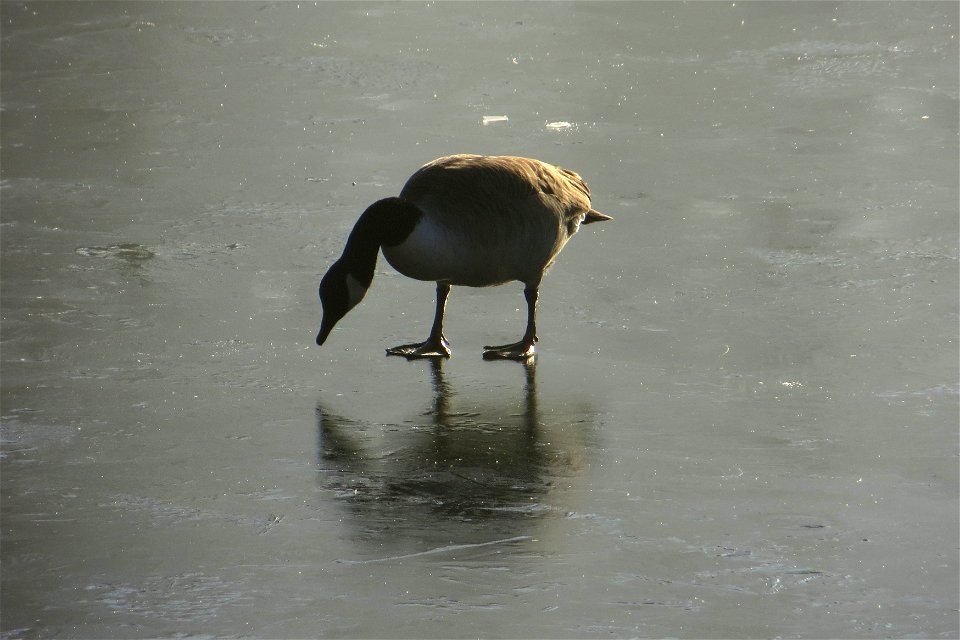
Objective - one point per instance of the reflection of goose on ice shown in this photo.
(486, 464)
(466, 220)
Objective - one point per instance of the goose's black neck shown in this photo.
(386, 222)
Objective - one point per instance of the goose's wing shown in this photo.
(497, 185)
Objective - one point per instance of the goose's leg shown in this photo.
(435, 346)
(526, 347)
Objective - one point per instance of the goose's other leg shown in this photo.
(525, 348)
(435, 346)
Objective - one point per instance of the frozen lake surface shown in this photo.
(743, 418)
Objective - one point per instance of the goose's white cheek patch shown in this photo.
(355, 291)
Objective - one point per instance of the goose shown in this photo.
(468, 220)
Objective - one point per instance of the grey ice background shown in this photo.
(743, 418)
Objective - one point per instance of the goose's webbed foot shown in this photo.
(522, 350)
(432, 347)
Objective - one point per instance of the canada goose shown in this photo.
(463, 220)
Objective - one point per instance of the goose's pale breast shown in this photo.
(477, 253)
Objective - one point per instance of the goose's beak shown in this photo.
(325, 329)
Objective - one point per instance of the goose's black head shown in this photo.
(340, 291)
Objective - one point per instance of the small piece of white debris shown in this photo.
(491, 119)
(562, 124)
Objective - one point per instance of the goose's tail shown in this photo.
(595, 216)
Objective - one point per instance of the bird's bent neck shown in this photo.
(386, 222)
